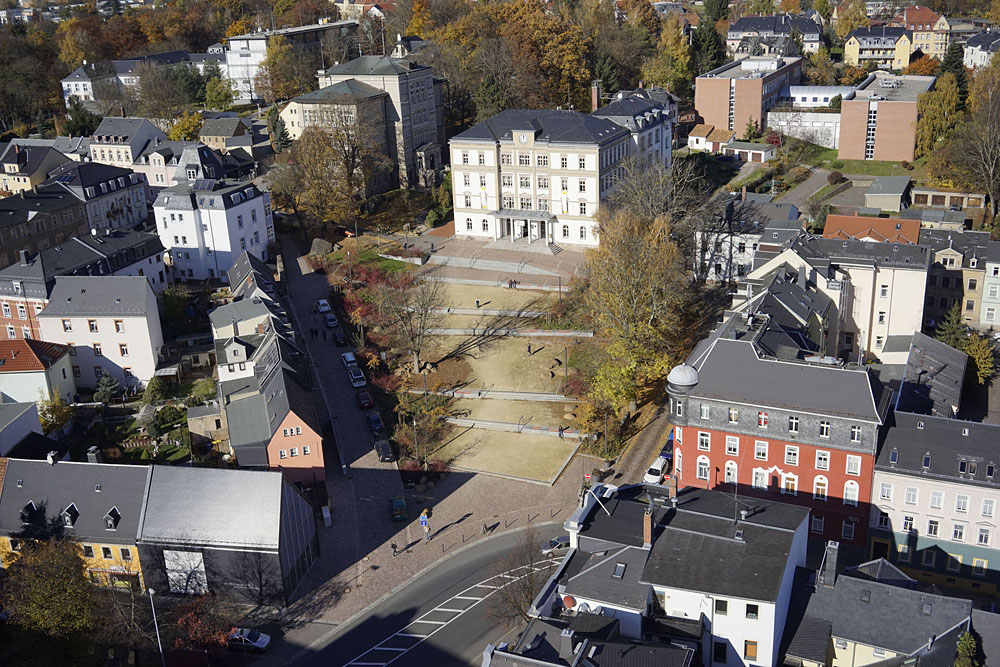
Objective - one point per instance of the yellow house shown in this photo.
(929, 30)
(884, 47)
(25, 167)
(94, 504)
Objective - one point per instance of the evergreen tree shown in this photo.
(107, 388)
(752, 131)
(606, 72)
(824, 8)
(950, 330)
(715, 10)
(709, 53)
(953, 63)
(279, 135)
(490, 99)
(156, 390)
(969, 652)
(80, 121)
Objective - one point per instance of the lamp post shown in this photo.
(416, 448)
(156, 625)
(350, 274)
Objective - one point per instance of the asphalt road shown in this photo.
(440, 618)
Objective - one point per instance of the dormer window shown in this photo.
(70, 515)
(112, 518)
(927, 461)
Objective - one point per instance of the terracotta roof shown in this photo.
(17, 356)
(884, 230)
(912, 17)
(701, 130)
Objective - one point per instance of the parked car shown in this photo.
(365, 400)
(555, 546)
(339, 338)
(356, 377)
(375, 422)
(668, 449)
(383, 449)
(398, 505)
(656, 471)
(323, 306)
(350, 361)
(249, 640)
(331, 320)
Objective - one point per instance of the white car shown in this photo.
(249, 640)
(323, 306)
(356, 377)
(350, 361)
(655, 473)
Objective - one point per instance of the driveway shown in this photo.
(799, 195)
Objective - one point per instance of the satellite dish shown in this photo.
(568, 601)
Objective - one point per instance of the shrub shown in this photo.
(906, 165)
(387, 382)
(433, 218)
(169, 414)
(409, 465)
(437, 465)
(837, 164)
(834, 177)
(203, 389)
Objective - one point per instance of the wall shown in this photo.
(816, 127)
(895, 128)
(298, 542)
(711, 99)
(853, 126)
(302, 467)
(15, 431)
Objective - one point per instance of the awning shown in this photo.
(523, 215)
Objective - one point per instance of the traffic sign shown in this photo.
(423, 520)
(586, 475)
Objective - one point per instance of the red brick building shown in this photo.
(729, 96)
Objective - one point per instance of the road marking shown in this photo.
(548, 563)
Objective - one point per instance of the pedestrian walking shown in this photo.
(395, 549)
(477, 304)
(529, 349)
(562, 429)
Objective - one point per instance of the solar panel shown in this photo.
(204, 184)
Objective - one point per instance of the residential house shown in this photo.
(159, 163)
(114, 197)
(99, 506)
(871, 614)
(526, 176)
(416, 116)
(751, 86)
(933, 378)
(75, 148)
(930, 30)
(27, 167)
(26, 284)
(888, 193)
(17, 421)
(111, 324)
(120, 141)
(649, 114)
(206, 223)
(867, 228)
(709, 138)
(33, 221)
(637, 554)
(957, 273)
(989, 313)
(981, 49)
(215, 132)
(882, 46)
(34, 370)
(798, 426)
(878, 289)
(778, 46)
(780, 25)
(245, 53)
(254, 539)
(878, 122)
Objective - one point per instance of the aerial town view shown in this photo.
(500, 333)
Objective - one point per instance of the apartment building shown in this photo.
(206, 223)
(881, 46)
(930, 30)
(637, 555)
(935, 501)
(957, 274)
(532, 176)
(649, 114)
(797, 427)
(989, 313)
(160, 161)
(767, 27)
(33, 221)
(744, 90)
(415, 115)
(111, 324)
(878, 289)
(27, 167)
(215, 132)
(113, 197)
(879, 121)
(120, 141)
(245, 53)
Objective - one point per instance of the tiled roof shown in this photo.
(18, 356)
(889, 230)
(701, 130)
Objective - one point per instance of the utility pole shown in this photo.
(565, 368)
(416, 449)
(425, 391)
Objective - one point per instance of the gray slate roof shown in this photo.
(870, 35)
(56, 487)
(933, 378)
(596, 580)
(345, 92)
(377, 65)
(969, 243)
(98, 296)
(11, 411)
(122, 127)
(626, 110)
(782, 24)
(988, 40)
(821, 253)
(235, 508)
(548, 126)
(222, 127)
(30, 158)
(749, 146)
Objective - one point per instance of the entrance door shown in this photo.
(532, 230)
(541, 231)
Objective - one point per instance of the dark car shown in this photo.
(375, 421)
(398, 504)
(365, 400)
(339, 338)
(383, 449)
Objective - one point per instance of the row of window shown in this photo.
(818, 525)
(934, 528)
(22, 310)
(294, 451)
(524, 159)
(911, 496)
(952, 564)
(92, 325)
(107, 553)
(823, 429)
(761, 452)
(486, 227)
(98, 372)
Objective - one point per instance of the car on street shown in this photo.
(249, 640)
(323, 306)
(350, 361)
(555, 546)
(339, 338)
(398, 505)
(668, 449)
(331, 320)
(383, 449)
(365, 400)
(656, 471)
(356, 377)
(375, 422)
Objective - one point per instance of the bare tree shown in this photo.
(124, 612)
(520, 578)
(410, 310)
(972, 157)
(258, 578)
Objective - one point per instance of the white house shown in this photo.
(33, 370)
(649, 114)
(111, 324)
(205, 224)
(120, 141)
(980, 49)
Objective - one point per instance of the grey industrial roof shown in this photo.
(340, 93)
(897, 88)
(933, 378)
(889, 185)
(849, 391)
(98, 296)
(95, 488)
(11, 411)
(948, 442)
(547, 126)
(210, 506)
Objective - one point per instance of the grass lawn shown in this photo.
(820, 154)
(368, 254)
(823, 191)
(824, 157)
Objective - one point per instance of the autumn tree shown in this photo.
(938, 114)
(824, 7)
(54, 413)
(186, 127)
(642, 13)
(954, 63)
(851, 76)
(284, 73)
(420, 18)
(970, 652)
(923, 66)
(791, 6)
(821, 71)
(410, 310)
(982, 356)
(854, 17)
(993, 14)
(670, 67)
(201, 626)
(160, 95)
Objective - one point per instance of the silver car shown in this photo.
(555, 546)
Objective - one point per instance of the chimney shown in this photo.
(566, 644)
(647, 528)
(52, 457)
(802, 277)
(672, 488)
(595, 95)
(828, 568)
(24, 257)
(93, 455)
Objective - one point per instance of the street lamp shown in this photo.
(350, 275)
(156, 625)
